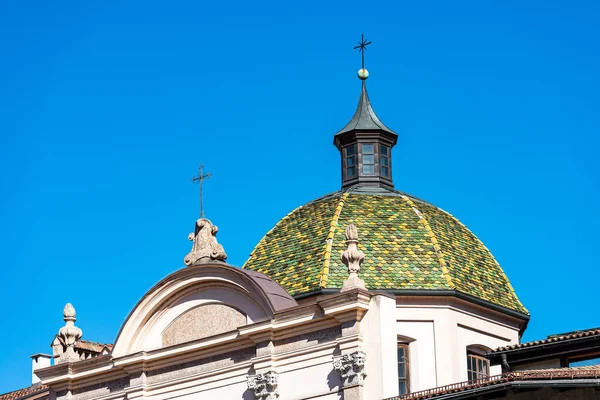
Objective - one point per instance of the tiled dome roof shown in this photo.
(408, 244)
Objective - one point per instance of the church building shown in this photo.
(365, 293)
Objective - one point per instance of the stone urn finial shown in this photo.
(69, 334)
(205, 248)
(352, 257)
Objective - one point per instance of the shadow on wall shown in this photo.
(334, 381)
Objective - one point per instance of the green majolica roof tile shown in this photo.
(408, 244)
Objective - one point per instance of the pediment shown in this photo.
(198, 302)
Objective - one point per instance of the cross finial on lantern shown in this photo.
(362, 47)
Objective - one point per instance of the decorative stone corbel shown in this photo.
(351, 366)
(352, 257)
(69, 334)
(205, 248)
(264, 385)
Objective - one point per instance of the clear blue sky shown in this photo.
(107, 109)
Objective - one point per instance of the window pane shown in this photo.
(384, 171)
(368, 169)
(368, 149)
(350, 150)
(384, 150)
(480, 365)
(384, 161)
(351, 172)
(369, 159)
(401, 355)
(470, 376)
(401, 370)
(350, 161)
(402, 387)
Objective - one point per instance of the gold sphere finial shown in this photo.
(363, 74)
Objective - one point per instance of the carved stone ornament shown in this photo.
(69, 334)
(352, 257)
(264, 385)
(205, 247)
(350, 367)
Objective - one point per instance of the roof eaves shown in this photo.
(559, 377)
(551, 340)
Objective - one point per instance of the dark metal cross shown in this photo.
(199, 179)
(362, 46)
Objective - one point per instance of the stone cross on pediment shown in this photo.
(205, 248)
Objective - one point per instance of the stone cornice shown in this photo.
(326, 313)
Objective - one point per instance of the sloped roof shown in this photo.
(364, 117)
(88, 345)
(408, 243)
(550, 339)
(573, 373)
(25, 393)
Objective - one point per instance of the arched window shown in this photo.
(478, 367)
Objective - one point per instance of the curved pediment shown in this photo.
(197, 302)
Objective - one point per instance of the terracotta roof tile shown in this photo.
(550, 339)
(88, 345)
(583, 372)
(26, 392)
(93, 346)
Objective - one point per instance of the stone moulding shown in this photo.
(286, 323)
(264, 385)
(351, 368)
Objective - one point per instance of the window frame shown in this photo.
(373, 154)
(384, 165)
(406, 363)
(477, 374)
(354, 157)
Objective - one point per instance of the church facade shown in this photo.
(365, 293)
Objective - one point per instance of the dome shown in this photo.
(409, 245)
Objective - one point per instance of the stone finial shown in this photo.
(205, 248)
(351, 367)
(352, 257)
(264, 385)
(69, 334)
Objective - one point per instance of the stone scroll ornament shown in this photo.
(352, 257)
(351, 368)
(205, 248)
(69, 334)
(264, 385)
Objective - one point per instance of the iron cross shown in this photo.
(362, 46)
(199, 179)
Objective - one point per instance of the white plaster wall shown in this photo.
(421, 349)
(470, 337)
(309, 380)
(379, 335)
(234, 390)
(441, 334)
(303, 374)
